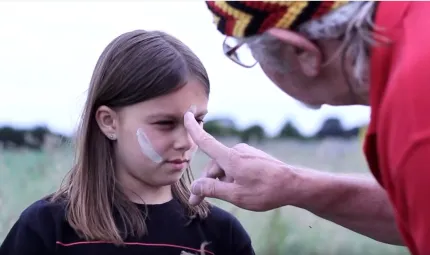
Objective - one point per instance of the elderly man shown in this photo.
(335, 53)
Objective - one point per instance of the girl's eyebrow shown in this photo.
(174, 116)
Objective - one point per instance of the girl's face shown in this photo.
(161, 122)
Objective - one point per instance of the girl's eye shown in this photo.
(165, 123)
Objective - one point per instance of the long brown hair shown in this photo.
(136, 66)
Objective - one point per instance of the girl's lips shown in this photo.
(178, 165)
(178, 160)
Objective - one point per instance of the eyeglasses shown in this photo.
(238, 52)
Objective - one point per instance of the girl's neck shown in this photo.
(141, 193)
(160, 196)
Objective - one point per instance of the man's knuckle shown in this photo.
(211, 189)
(233, 158)
(240, 146)
(236, 197)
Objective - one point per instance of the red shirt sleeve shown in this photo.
(414, 182)
(404, 140)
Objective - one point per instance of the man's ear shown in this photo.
(107, 121)
(308, 54)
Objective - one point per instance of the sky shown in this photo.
(49, 49)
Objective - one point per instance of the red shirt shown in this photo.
(397, 144)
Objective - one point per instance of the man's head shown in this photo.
(317, 52)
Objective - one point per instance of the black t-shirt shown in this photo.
(42, 229)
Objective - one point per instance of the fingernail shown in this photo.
(192, 109)
(189, 113)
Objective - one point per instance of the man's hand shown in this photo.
(253, 180)
(241, 175)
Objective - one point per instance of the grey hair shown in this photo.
(351, 23)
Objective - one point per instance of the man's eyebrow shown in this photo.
(173, 116)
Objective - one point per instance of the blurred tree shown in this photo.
(330, 128)
(222, 127)
(289, 131)
(351, 133)
(253, 133)
(39, 133)
(11, 137)
(32, 138)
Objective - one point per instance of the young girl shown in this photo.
(127, 192)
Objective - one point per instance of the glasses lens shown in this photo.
(241, 55)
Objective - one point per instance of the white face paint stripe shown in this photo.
(146, 146)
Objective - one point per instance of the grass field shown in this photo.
(26, 176)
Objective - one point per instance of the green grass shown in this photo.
(27, 176)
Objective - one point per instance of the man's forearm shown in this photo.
(356, 203)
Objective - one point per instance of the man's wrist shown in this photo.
(305, 188)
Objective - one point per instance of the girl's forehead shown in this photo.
(193, 93)
(171, 109)
(191, 90)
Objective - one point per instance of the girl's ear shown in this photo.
(308, 54)
(107, 121)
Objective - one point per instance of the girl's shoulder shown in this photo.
(36, 228)
(43, 210)
(220, 215)
(227, 230)
(43, 216)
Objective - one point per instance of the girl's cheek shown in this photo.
(148, 146)
(193, 151)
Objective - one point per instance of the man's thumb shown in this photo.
(208, 187)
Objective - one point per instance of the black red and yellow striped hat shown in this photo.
(247, 18)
